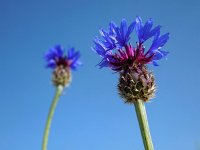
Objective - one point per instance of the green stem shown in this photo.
(143, 123)
(59, 90)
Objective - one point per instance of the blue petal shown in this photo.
(155, 31)
(59, 51)
(122, 34)
(160, 54)
(103, 63)
(51, 64)
(48, 56)
(123, 29)
(109, 41)
(163, 39)
(112, 28)
(55, 52)
(76, 57)
(99, 48)
(145, 32)
(139, 27)
(75, 65)
(115, 38)
(159, 42)
(148, 25)
(70, 53)
(51, 54)
(119, 38)
(130, 29)
(155, 63)
(73, 56)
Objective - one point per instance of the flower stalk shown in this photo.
(59, 90)
(62, 62)
(136, 83)
(143, 123)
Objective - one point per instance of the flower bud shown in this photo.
(136, 83)
(61, 76)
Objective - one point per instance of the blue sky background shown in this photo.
(90, 114)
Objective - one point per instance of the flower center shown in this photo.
(62, 62)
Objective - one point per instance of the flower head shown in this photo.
(62, 62)
(57, 56)
(117, 53)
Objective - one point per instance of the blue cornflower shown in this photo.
(117, 38)
(62, 62)
(136, 83)
(57, 56)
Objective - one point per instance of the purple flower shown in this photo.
(57, 56)
(119, 55)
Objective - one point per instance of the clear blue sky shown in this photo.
(90, 115)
